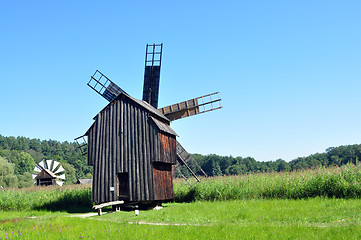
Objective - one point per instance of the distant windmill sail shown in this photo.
(42, 164)
(192, 107)
(153, 60)
(104, 86)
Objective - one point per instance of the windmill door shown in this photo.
(123, 186)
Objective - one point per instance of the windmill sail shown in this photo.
(37, 169)
(48, 164)
(104, 86)
(42, 164)
(61, 176)
(82, 143)
(60, 183)
(192, 107)
(60, 170)
(153, 60)
(55, 165)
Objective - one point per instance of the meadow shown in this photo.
(320, 203)
(332, 182)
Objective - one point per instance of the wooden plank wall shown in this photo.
(122, 139)
(167, 148)
(163, 181)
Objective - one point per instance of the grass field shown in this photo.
(313, 204)
(237, 219)
(333, 182)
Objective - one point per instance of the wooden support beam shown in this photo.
(185, 178)
(189, 169)
(100, 206)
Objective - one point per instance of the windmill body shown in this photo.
(132, 150)
(131, 146)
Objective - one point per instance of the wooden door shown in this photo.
(123, 186)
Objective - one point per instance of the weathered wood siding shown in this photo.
(151, 81)
(167, 148)
(123, 139)
(163, 181)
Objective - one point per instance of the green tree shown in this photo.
(7, 177)
(35, 145)
(25, 180)
(25, 163)
(282, 165)
(216, 171)
(70, 173)
(235, 169)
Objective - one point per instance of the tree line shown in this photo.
(18, 156)
(215, 165)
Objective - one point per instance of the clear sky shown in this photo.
(288, 71)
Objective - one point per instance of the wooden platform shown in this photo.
(107, 204)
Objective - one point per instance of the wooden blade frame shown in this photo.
(82, 143)
(192, 107)
(104, 86)
(153, 61)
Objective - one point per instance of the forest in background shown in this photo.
(18, 156)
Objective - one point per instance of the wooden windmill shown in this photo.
(131, 146)
(48, 172)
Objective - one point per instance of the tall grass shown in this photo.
(334, 182)
(74, 198)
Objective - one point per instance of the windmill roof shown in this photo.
(47, 171)
(164, 127)
(142, 103)
(50, 173)
(148, 107)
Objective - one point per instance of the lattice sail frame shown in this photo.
(203, 104)
(82, 143)
(104, 86)
(153, 62)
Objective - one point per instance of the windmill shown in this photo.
(47, 172)
(131, 145)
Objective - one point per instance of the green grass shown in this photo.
(68, 198)
(315, 212)
(311, 204)
(316, 218)
(338, 182)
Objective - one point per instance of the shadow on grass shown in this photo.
(188, 196)
(69, 202)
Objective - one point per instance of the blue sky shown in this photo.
(288, 71)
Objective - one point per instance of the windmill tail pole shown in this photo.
(184, 177)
